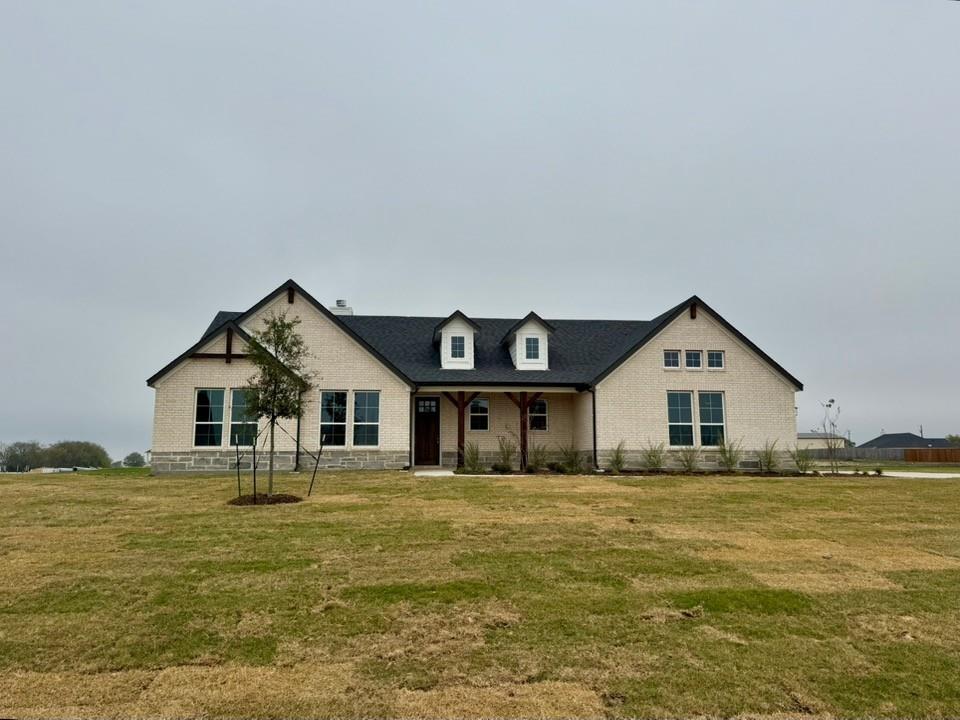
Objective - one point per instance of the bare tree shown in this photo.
(830, 426)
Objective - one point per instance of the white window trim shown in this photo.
(460, 358)
(346, 423)
(693, 418)
(545, 414)
(526, 354)
(470, 414)
(230, 423)
(723, 360)
(679, 364)
(519, 348)
(354, 423)
(193, 425)
(688, 367)
(699, 435)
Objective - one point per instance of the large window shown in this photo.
(694, 359)
(366, 418)
(243, 428)
(537, 415)
(333, 417)
(715, 359)
(480, 414)
(711, 419)
(208, 421)
(680, 417)
(458, 346)
(533, 348)
(671, 358)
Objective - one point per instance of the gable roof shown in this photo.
(455, 315)
(905, 441)
(213, 331)
(582, 352)
(523, 321)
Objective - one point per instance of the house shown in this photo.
(905, 441)
(396, 391)
(821, 441)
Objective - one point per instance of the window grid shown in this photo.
(243, 427)
(694, 359)
(532, 347)
(680, 418)
(458, 346)
(333, 418)
(480, 414)
(366, 418)
(208, 418)
(537, 415)
(712, 431)
(715, 359)
(671, 358)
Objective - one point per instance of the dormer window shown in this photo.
(533, 348)
(455, 338)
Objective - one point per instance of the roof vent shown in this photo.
(341, 308)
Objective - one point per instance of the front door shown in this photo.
(426, 432)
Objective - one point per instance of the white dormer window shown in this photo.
(455, 336)
(528, 341)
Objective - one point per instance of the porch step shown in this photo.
(439, 472)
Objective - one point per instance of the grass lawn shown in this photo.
(889, 466)
(385, 594)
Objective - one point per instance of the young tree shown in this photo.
(276, 390)
(954, 440)
(134, 459)
(831, 429)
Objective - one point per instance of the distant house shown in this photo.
(819, 441)
(905, 441)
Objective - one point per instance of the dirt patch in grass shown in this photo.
(533, 700)
(842, 580)
(264, 499)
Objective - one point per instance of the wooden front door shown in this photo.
(426, 431)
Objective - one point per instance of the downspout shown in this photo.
(593, 407)
(296, 458)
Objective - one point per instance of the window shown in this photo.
(533, 348)
(480, 414)
(537, 415)
(694, 360)
(680, 417)
(243, 427)
(366, 418)
(333, 417)
(711, 418)
(208, 427)
(715, 359)
(458, 346)
(671, 358)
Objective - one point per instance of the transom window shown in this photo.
(243, 427)
(694, 359)
(711, 419)
(680, 418)
(671, 358)
(715, 359)
(537, 415)
(458, 346)
(480, 414)
(532, 346)
(208, 420)
(333, 418)
(366, 418)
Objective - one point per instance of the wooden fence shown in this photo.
(932, 455)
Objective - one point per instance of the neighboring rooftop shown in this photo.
(900, 441)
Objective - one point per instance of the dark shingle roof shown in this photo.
(579, 349)
(222, 317)
(905, 441)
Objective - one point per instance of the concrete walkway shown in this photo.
(910, 474)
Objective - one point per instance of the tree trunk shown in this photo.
(273, 423)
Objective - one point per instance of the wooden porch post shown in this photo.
(461, 403)
(523, 431)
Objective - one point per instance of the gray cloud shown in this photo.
(796, 164)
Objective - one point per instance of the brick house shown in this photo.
(395, 392)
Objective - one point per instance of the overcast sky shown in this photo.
(796, 164)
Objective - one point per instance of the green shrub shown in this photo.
(571, 460)
(767, 457)
(878, 471)
(689, 458)
(618, 458)
(536, 458)
(471, 459)
(730, 455)
(506, 452)
(802, 458)
(653, 457)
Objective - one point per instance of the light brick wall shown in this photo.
(583, 422)
(632, 401)
(339, 363)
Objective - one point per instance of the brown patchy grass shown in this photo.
(390, 595)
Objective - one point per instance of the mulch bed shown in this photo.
(263, 499)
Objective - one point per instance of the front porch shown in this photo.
(444, 420)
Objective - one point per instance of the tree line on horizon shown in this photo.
(23, 456)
